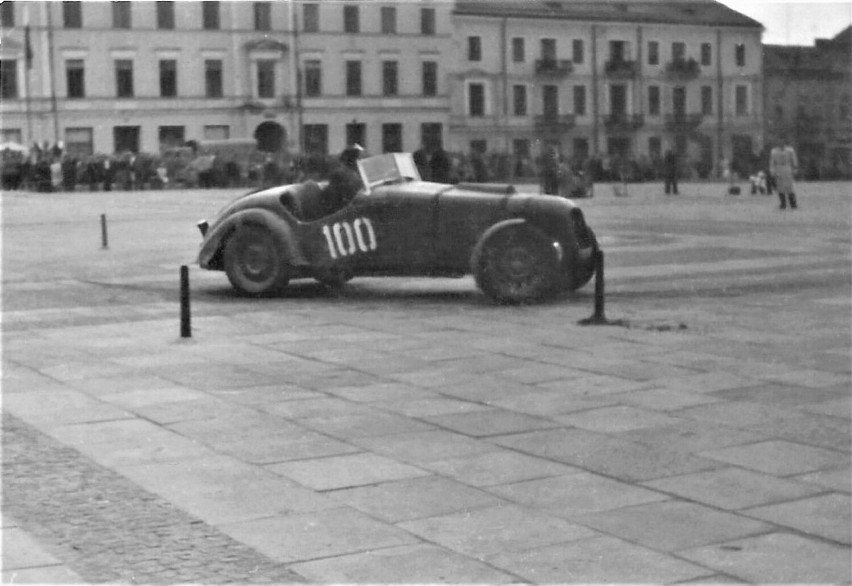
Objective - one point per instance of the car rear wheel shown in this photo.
(517, 265)
(254, 262)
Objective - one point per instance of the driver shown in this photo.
(343, 184)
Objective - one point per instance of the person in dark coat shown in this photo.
(550, 172)
(350, 155)
(421, 160)
(69, 173)
(670, 172)
(439, 166)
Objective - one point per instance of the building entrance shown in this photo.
(271, 137)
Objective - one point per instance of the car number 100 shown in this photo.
(345, 239)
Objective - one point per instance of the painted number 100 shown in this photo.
(345, 239)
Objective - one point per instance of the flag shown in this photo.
(28, 48)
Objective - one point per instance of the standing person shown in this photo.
(550, 172)
(350, 155)
(421, 161)
(439, 166)
(670, 172)
(783, 165)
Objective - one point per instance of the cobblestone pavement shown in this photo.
(406, 430)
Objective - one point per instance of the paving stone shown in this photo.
(415, 498)
(810, 378)
(782, 394)
(20, 551)
(821, 431)
(576, 494)
(61, 407)
(592, 387)
(663, 399)
(827, 516)
(616, 419)
(427, 446)
(672, 525)
(412, 564)
(429, 404)
(371, 423)
(482, 532)
(382, 392)
(495, 468)
(42, 575)
(601, 560)
(776, 558)
(490, 422)
(839, 479)
(778, 457)
(690, 436)
(336, 472)
(323, 534)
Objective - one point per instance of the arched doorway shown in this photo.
(271, 137)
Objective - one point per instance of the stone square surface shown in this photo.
(616, 418)
(483, 423)
(499, 467)
(776, 558)
(428, 446)
(672, 525)
(828, 516)
(600, 560)
(778, 457)
(345, 471)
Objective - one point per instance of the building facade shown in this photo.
(621, 80)
(808, 99)
(139, 76)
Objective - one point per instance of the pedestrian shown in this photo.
(550, 172)
(350, 155)
(439, 166)
(670, 172)
(783, 165)
(421, 161)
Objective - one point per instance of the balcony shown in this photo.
(619, 68)
(624, 122)
(553, 67)
(683, 122)
(683, 69)
(554, 123)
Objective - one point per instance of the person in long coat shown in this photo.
(783, 164)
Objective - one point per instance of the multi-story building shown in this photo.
(808, 98)
(624, 79)
(121, 75)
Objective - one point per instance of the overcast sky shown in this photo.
(796, 22)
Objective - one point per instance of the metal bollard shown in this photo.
(104, 241)
(185, 320)
(599, 318)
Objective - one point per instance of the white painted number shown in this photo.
(345, 239)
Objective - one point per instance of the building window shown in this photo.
(578, 51)
(581, 148)
(72, 14)
(479, 145)
(353, 78)
(310, 18)
(521, 148)
(125, 138)
(430, 78)
(706, 100)
(124, 78)
(548, 49)
(313, 78)
(266, 78)
(351, 19)
(431, 135)
(210, 15)
(213, 78)
(217, 132)
(550, 100)
(653, 100)
(79, 142)
(474, 48)
(706, 54)
(740, 55)
(168, 78)
(121, 16)
(7, 14)
(519, 100)
(427, 21)
(315, 138)
(655, 147)
(518, 50)
(653, 53)
(390, 78)
(356, 133)
(75, 78)
(165, 14)
(580, 100)
(171, 136)
(741, 100)
(8, 78)
(262, 16)
(392, 138)
(678, 51)
(12, 135)
(476, 99)
(389, 20)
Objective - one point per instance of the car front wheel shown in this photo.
(254, 262)
(517, 265)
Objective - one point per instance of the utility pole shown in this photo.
(53, 107)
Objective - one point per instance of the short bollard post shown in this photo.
(104, 240)
(599, 287)
(185, 323)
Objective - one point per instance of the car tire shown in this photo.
(517, 265)
(254, 261)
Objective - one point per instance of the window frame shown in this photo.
(351, 19)
(313, 78)
(122, 14)
(310, 17)
(653, 52)
(519, 50)
(211, 15)
(214, 80)
(265, 78)
(354, 78)
(388, 20)
(262, 12)
(578, 51)
(429, 78)
(124, 78)
(655, 100)
(75, 77)
(9, 89)
(72, 14)
(476, 99)
(428, 22)
(706, 54)
(165, 14)
(740, 55)
(579, 97)
(390, 77)
(520, 100)
(707, 100)
(474, 48)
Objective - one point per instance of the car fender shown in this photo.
(214, 243)
(480, 244)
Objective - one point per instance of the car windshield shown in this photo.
(387, 168)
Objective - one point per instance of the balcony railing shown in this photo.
(683, 122)
(620, 68)
(624, 122)
(553, 67)
(683, 69)
(554, 122)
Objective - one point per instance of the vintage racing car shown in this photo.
(519, 247)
